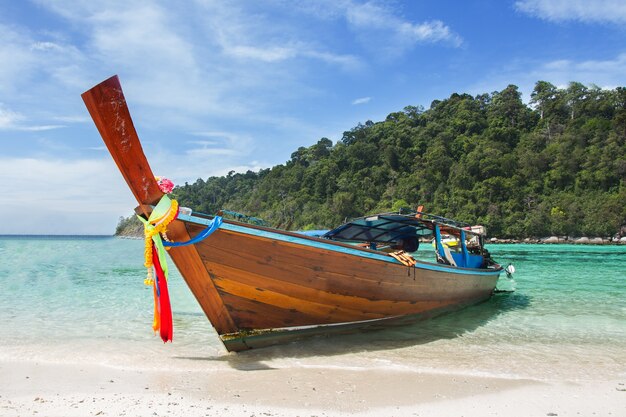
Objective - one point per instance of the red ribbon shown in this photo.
(165, 309)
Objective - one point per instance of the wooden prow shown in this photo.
(109, 111)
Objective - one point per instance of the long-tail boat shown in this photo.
(260, 286)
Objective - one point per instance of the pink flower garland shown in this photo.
(165, 185)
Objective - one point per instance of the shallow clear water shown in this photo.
(83, 300)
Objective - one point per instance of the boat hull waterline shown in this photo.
(260, 286)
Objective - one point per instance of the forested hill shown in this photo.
(557, 167)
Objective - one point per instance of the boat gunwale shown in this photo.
(332, 245)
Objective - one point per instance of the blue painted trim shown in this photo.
(440, 250)
(464, 249)
(335, 248)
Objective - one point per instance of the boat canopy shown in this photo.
(391, 227)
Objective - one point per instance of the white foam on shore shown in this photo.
(565, 361)
(421, 370)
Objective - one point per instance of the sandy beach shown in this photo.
(41, 389)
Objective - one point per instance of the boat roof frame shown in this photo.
(389, 227)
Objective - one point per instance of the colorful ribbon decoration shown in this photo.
(163, 214)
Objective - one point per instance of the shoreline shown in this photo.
(567, 240)
(36, 389)
(563, 240)
(526, 241)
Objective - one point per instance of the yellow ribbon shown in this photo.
(162, 215)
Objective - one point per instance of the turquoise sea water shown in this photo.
(76, 300)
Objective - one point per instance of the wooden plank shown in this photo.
(275, 336)
(197, 278)
(365, 308)
(337, 273)
(296, 279)
(313, 308)
(305, 265)
(251, 314)
(109, 111)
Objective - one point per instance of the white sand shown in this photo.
(41, 389)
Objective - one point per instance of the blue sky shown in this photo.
(217, 85)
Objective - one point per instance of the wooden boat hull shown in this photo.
(263, 338)
(261, 286)
(276, 286)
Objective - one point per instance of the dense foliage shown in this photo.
(557, 167)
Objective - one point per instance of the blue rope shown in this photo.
(212, 227)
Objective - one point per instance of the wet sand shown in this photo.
(46, 389)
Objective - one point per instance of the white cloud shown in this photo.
(381, 27)
(39, 128)
(372, 15)
(198, 60)
(189, 63)
(72, 119)
(18, 60)
(142, 34)
(608, 73)
(361, 100)
(45, 46)
(10, 120)
(347, 62)
(596, 11)
(605, 73)
(202, 163)
(225, 144)
(26, 58)
(383, 18)
(214, 134)
(433, 31)
(283, 53)
(85, 195)
(155, 56)
(268, 54)
(216, 155)
(261, 37)
(205, 152)
(203, 143)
